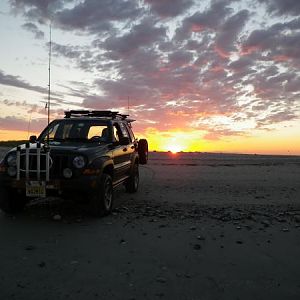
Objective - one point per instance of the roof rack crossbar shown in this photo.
(94, 113)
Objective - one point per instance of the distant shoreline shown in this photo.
(14, 143)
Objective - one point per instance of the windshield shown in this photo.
(76, 130)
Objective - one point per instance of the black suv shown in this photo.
(84, 155)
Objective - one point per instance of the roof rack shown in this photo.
(96, 113)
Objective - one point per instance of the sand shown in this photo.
(202, 226)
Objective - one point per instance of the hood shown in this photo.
(67, 147)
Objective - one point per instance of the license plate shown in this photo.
(35, 189)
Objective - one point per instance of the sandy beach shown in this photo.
(202, 226)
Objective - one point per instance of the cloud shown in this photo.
(277, 117)
(281, 40)
(169, 8)
(241, 63)
(214, 134)
(92, 16)
(283, 7)
(226, 38)
(211, 19)
(13, 123)
(36, 8)
(30, 108)
(16, 81)
(38, 34)
(96, 16)
(145, 34)
(180, 58)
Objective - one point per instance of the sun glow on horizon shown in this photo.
(175, 148)
(191, 140)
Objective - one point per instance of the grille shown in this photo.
(59, 162)
(38, 164)
(56, 163)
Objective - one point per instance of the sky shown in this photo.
(209, 76)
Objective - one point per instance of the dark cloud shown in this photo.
(180, 58)
(241, 63)
(226, 38)
(16, 81)
(92, 16)
(38, 34)
(281, 40)
(277, 117)
(83, 57)
(169, 8)
(37, 9)
(283, 7)
(144, 34)
(211, 18)
(293, 85)
(96, 16)
(67, 51)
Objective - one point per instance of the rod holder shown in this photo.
(18, 162)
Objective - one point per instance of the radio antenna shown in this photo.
(128, 105)
(49, 74)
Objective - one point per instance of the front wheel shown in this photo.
(12, 202)
(132, 182)
(101, 202)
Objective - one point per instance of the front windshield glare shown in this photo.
(76, 130)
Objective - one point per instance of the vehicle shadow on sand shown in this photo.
(66, 210)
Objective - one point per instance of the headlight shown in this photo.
(12, 159)
(79, 162)
(12, 171)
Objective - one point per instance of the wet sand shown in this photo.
(202, 226)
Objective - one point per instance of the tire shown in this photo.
(143, 151)
(132, 183)
(11, 202)
(101, 202)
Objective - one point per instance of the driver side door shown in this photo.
(121, 155)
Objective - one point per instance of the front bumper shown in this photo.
(82, 184)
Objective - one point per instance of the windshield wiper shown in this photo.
(76, 139)
(45, 140)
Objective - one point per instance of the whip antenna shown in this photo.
(49, 74)
(128, 105)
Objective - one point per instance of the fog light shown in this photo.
(67, 173)
(12, 171)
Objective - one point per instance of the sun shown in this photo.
(175, 148)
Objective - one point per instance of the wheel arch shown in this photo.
(109, 169)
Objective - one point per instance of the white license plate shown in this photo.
(35, 189)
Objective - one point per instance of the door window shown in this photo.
(117, 132)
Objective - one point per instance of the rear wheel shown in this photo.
(101, 202)
(11, 201)
(143, 151)
(132, 182)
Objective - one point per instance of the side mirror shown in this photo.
(32, 139)
(124, 140)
